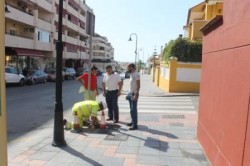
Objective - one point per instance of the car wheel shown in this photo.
(21, 82)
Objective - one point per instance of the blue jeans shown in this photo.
(133, 110)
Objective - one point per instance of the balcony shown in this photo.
(18, 41)
(70, 55)
(72, 11)
(20, 16)
(44, 46)
(99, 57)
(71, 25)
(71, 40)
(99, 51)
(195, 29)
(44, 25)
(99, 44)
(99, 39)
(47, 5)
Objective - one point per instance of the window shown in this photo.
(69, 17)
(13, 32)
(7, 70)
(43, 36)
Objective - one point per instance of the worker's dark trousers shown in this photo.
(112, 102)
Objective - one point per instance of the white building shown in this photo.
(32, 29)
(103, 52)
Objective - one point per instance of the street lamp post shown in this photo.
(58, 139)
(136, 42)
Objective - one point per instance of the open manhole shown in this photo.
(173, 116)
(176, 124)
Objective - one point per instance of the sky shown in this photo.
(155, 22)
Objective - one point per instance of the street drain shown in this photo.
(173, 116)
(116, 137)
(176, 124)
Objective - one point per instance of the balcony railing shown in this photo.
(18, 41)
(20, 16)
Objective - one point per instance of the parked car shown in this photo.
(70, 73)
(52, 75)
(122, 75)
(127, 74)
(12, 76)
(36, 76)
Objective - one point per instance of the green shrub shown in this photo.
(184, 49)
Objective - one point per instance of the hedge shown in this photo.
(184, 49)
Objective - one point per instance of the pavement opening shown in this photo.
(173, 116)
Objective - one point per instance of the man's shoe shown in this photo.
(109, 119)
(116, 121)
(130, 124)
(133, 128)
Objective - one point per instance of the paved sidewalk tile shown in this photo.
(127, 150)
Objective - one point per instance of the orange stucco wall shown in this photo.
(225, 88)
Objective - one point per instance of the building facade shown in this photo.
(31, 33)
(224, 111)
(103, 52)
(199, 15)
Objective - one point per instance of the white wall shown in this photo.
(188, 75)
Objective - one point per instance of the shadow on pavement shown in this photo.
(77, 154)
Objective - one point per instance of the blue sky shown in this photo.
(155, 22)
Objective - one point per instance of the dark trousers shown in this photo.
(112, 102)
(133, 111)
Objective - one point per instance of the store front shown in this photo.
(23, 59)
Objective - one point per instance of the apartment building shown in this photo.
(32, 30)
(199, 16)
(103, 52)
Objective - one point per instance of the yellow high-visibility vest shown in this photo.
(86, 109)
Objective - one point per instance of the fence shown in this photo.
(178, 77)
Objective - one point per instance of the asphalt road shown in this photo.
(30, 107)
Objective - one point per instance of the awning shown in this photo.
(27, 52)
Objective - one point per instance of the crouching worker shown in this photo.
(83, 112)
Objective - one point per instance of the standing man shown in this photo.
(83, 79)
(133, 95)
(112, 86)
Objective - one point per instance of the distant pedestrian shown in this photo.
(112, 86)
(133, 95)
(83, 79)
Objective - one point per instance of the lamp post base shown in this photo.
(58, 140)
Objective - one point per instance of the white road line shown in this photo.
(157, 103)
(159, 106)
(161, 111)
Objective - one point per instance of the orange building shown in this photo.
(224, 119)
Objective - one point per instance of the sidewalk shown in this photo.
(167, 139)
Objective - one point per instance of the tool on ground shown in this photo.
(103, 121)
(76, 121)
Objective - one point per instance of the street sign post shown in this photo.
(3, 131)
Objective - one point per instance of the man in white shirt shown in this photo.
(112, 86)
(133, 95)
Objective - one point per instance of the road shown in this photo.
(31, 107)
